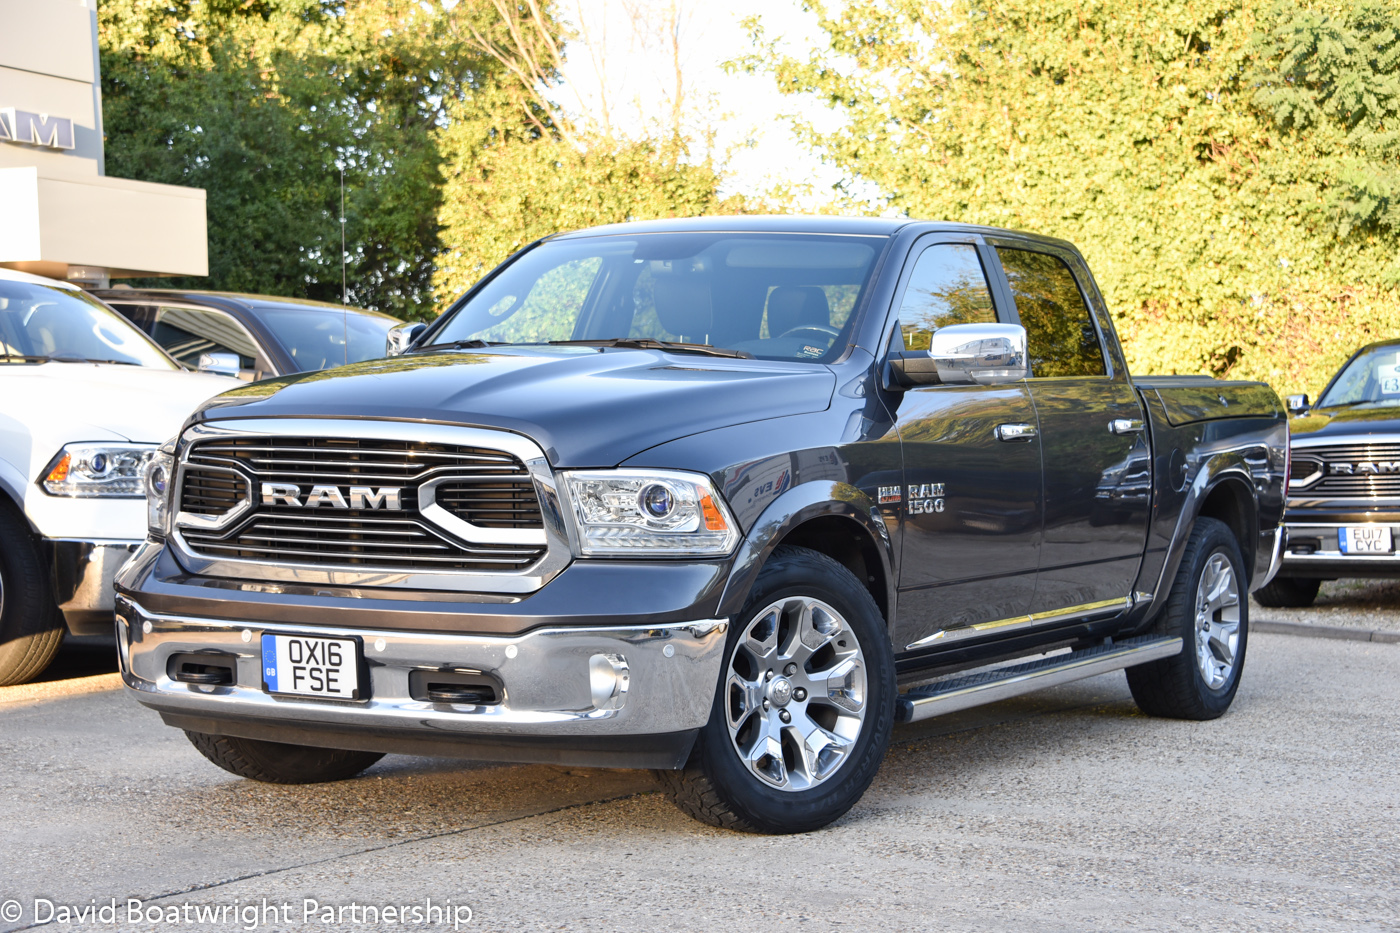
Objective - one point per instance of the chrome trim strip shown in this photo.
(546, 676)
(427, 504)
(556, 534)
(994, 688)
(211, 522)
(1338, 440)
(1086, 611)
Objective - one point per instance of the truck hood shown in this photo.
(1324, 422)
(51, 404)
(582, 405)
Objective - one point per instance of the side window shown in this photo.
(1060, 334)
(141, 315)
(185, 333)
(947, 287)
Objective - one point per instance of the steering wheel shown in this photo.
(831, 332)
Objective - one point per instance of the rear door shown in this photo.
(1098, 481)
(971, 502)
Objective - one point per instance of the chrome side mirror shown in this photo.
(402, 336)
(964, 354)
(1297, 404)
(220, 364)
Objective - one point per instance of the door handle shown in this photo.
(1125, 425)
(1015, 432)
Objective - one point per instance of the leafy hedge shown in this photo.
(1229, 167)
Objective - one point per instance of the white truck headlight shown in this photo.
(158, 481)
(649, 513)
(108, 471)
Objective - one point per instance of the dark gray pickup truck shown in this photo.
(726, 498)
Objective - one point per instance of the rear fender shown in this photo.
(1234, 469)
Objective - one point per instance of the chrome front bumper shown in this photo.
(81, 573)
(565, 691)
(1329, 561)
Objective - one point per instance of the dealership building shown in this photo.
(60, 214)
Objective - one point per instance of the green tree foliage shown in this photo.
(503, 193)
(1227, 166)
(434, 109)
(261, 102)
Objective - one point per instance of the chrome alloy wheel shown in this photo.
(1217, 621)
(795, 695)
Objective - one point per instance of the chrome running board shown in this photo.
(968, 690)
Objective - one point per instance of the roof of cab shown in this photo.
(14, 275)
(242, 299)
(799, 224)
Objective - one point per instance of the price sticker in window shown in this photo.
(1388, 378)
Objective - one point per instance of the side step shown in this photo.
(948, 696)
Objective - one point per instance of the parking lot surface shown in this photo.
(1066, 810)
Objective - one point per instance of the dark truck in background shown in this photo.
(725, 498)
(1343, 516)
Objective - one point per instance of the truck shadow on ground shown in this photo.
(403, 797)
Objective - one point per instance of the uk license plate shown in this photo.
(306, 666)
(1365, 539)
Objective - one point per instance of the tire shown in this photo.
(276, 763)
(1288, 593)
(1200, 682)
(31, 627)
(793, 623)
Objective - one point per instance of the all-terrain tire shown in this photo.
(716, 786)
(1288, 593)
(276, 763)
(31, 627)
(1177, 687)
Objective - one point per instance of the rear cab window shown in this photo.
(1060, 333)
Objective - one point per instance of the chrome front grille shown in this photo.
(1345, 471)
(484, 487)
(212, 492)
(355, 539)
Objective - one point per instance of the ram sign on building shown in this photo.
(62, 215)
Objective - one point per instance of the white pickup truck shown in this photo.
(85, 398)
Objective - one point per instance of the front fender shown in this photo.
(800, 504)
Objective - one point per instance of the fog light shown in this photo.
(608, 678)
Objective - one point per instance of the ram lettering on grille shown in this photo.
(1376, 468)
(359, 497)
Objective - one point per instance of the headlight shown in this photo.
(157, 479)
(109, 471)
(649, 513)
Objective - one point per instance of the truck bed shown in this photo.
(1189, 399)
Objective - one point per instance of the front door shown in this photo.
(1098, 473)
(972, 502)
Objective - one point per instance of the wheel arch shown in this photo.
(832, 518)
(1230, 499)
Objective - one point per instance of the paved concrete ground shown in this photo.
(1067, 810)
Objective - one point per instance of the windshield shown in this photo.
(316, 338)
(775, 296)
(39, 322)
(1373, 378)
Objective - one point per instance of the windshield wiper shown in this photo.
(648, 343)
(473, 344)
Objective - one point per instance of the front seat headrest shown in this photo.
(792, 306)
(683, 304)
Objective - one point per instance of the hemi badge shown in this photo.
(889, 494)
